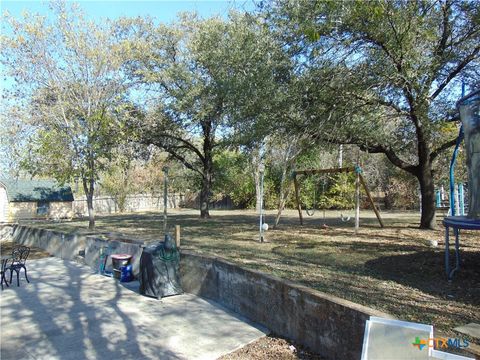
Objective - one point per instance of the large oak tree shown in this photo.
(207, 80)
(383, 73)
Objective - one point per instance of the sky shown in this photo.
(164, 11)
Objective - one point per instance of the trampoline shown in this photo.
(457, 223)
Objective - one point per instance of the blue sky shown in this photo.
(164, 11)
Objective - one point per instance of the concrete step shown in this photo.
(472, 330)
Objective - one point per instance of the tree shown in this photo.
(232, 178)
(384, 72)
(120, 179)
(70, 93)
(198, 71)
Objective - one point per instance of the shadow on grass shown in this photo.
(425, 271)
(409, 265)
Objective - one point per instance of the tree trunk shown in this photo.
(207, 171)
(206, 185)
(205, 195)
(122, 196)
(427, 191)
(91, 215)
(88, 187)
(256, 161)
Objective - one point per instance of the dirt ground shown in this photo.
(270, 347)
(398, 269)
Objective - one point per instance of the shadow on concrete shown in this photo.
(66, 312)
(68, 326)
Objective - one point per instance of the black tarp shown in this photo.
(159, 270)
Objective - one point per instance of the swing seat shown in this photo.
(345, 218)
(310, 212)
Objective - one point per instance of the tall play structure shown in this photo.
(469, 109)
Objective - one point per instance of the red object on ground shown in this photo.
(121, 256)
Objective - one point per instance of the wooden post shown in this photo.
(357, 202)
(177, 235)
(377, 213)
(165, 198)
(297, 197)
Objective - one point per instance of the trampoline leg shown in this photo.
(457, 251)
(456, 232)
(447, 252)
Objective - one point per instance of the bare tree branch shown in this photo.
(182, 159)
(456, 71)
(441, 148)
(391, 155)
(188, 145)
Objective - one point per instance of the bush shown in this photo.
(335, 191)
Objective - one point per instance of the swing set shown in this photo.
(359, 180)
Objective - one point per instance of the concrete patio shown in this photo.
(67, 312)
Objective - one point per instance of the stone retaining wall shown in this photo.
(70, 246)
(327, 325)
(6, 232)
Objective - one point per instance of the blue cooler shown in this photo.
(126, 273)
